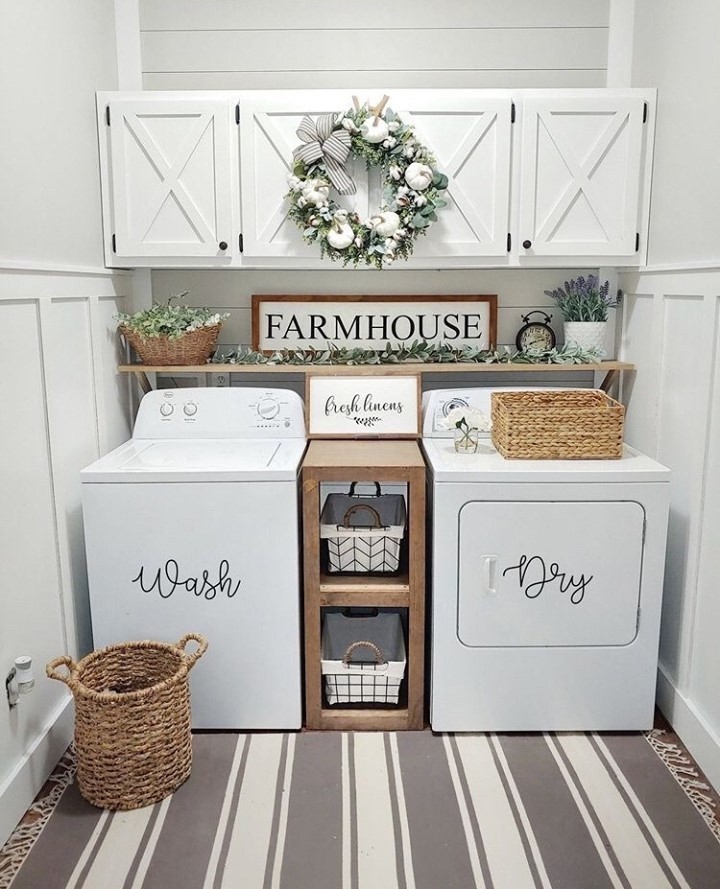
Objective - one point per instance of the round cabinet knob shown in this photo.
(527, 244)
(190, 409)
(166, 408)
(268, 408)
(223, 245)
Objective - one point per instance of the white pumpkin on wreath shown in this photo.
(412, 186)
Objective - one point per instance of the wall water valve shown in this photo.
(20, 680)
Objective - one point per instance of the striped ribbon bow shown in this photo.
(322, 142)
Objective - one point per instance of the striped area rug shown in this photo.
(393, 811)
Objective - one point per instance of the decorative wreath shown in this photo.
(411, 185)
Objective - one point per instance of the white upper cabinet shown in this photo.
(468, 131)
(171, 162)
(580, 175)
(535, 177)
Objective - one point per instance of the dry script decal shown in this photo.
(353, 407)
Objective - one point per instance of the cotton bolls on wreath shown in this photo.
(411, 186)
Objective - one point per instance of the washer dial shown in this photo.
(268, 408)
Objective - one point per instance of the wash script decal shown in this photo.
(168, 578)
(534, 576)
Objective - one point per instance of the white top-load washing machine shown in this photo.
(546, 585)
(193, 526)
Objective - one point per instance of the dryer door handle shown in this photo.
(488, 574)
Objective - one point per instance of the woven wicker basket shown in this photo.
(561, 425)
(132, 720)
(191, 348)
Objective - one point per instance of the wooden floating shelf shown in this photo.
(409, 367)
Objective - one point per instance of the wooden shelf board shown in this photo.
(364, 584)
(362, 458)
(366, 599)
(373, 720)
(388, 370)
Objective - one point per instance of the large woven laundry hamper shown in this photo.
(132, 720)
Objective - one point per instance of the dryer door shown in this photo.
(549, 573)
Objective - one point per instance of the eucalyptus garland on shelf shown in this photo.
(418, 353)
(411, 185)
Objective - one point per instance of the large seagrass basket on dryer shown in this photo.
(132, 720)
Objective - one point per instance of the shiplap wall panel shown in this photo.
(449, 49)
(215, 15)
(378, 79)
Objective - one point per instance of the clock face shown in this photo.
(536, 337)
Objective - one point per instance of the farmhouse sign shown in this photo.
(363, 407)
(370, 322)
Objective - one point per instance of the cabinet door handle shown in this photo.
(527, 244)
(488, 574)
(223, 245)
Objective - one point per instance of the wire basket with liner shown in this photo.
(132, 720)
(172, 333)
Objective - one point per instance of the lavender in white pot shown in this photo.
(584, 303)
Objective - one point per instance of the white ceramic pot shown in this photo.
(589, 335)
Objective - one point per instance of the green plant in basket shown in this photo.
(172, 333)
(583, 299)
(171, 319)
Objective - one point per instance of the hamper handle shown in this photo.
(352, 488)
(379, 656)
(353, 509)
(63, 660)
(194, 657)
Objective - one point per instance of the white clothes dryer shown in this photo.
(546, 587)
(193, 526)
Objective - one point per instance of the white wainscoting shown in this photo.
(229, 44)
(63, 404)
(671, 330)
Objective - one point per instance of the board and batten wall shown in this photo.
(671, 330)
(228, 44)
(63, 402)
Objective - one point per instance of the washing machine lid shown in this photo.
(198, 460)
(487, 465)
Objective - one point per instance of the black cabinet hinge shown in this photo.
(512, 112)
(107, 115)
(237, 114)
(240, 242)
(645, 112)
(509, 242)
(114, 244)
(637, 241)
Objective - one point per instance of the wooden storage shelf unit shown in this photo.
(365, 461)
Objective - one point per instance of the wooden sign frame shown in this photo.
(363, 406)
(417, 301)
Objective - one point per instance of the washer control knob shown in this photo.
(268, 408)
(166, 408)
(190, 409)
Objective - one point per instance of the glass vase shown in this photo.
(466, 441)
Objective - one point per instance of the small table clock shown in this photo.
(535, 336)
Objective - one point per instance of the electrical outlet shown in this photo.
(220, 380)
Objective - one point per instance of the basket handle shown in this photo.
(66, 661)
(346, 523)
(352, 489)
(194, 657)
(379, 656)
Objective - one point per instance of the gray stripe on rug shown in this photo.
(392, 786)
(439, 849)
(56, 852)
(275, 827)
(142, 845)
(354, 865)
(568, 852)
(597, 823)
(82, 877)
(225, 848)
(477, 836)
(312, 857)
(186, 840)
(683, 830)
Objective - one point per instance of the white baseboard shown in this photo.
(25, 781)
(694, 731)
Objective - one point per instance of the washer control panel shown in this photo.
(236, 412)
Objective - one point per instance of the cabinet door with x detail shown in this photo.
(171, 172)
(581, 175)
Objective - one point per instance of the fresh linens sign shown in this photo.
(363, 407)
(370, 322)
